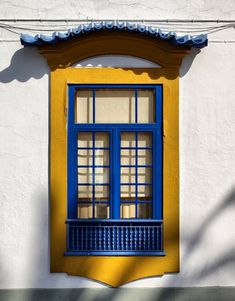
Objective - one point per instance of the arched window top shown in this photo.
(115, 61)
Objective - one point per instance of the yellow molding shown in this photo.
(65, 54)
(115, 270)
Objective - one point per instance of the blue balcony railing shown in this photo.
(109, 237)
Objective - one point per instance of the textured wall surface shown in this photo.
(207, 147)
(161, 9)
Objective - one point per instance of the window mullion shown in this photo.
(115, 167)
(136, 106)
(136, 174)
(93, 104)
(93, 174)
(157, 174)
(136, 155)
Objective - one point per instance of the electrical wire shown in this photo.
(178, 26)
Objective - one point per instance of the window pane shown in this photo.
(84, 193)
(85, 139)
(101, 193)
(101, 140)
(101, 175)
(128, 157)
(146, 106)
(101, 211)
(127, 211)
(84, 210)
(84, 157)
(127, 192)
(85, 175)
(144, 175)
(127, 139)
(101, 157)
(115, 106)
(144, 157)
(144, 139)
(144, 211)
(83, 106)
(93, 169)
(128, 175)
(144, 192)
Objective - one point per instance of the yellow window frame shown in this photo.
(113, 270)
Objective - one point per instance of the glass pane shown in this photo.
(127, 211)
(128, 157)
(127, 175)
(127, 139)
(101, 157)
(84, 193)
(144, 192)
(84, 157)
(83, 106)
(84, 211)
(115, 106)
(146, 106)
(144, 175)
(85, 139)
(85, 175)
(101, 175)
(101, 211)
(144, 211)
(101, 140)
(127, 192)
(144, 139)
(144, 157)
(101, 193)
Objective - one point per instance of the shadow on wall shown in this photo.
(26, 63)
(185, 66)
(40, 259)
(228, 258)
(187, 61)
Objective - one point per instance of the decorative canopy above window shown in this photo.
(199, 41)
(64, 49)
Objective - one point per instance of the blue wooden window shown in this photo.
(114, 170)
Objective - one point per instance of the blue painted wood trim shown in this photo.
(116, 173)
(127, 127)
(127, 220)
(115, 130)
(134, 86)
(71, 159)
(158, 157)
(110, 253)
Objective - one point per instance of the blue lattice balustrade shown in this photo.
(114, 238)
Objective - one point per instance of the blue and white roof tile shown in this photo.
(198, 41)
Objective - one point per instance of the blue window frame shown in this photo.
(114, 172)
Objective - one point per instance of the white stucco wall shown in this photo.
(207, 147)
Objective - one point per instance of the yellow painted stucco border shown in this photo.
(115, 270)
